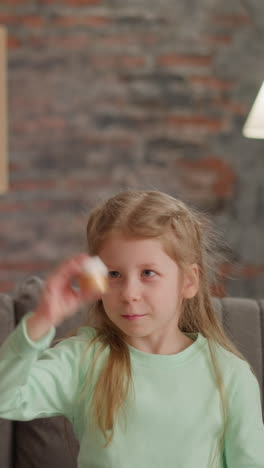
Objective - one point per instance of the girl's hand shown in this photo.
(59, 299)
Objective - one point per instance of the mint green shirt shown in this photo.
(174, 418)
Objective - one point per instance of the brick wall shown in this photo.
(107, 95)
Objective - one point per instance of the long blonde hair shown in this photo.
(188, 237)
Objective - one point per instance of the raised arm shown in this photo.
(36, 381)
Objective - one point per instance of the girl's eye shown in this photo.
(148, 273)
(114, 274)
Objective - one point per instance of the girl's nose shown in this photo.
(131, 290)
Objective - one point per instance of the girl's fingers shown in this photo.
(60, 298)
(70, 269)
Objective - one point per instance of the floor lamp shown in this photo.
(254, 125)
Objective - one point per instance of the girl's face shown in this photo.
(145, 292)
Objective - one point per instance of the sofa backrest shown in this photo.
(46, 442)
(243, 322)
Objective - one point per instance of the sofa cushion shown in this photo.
(45, 443)
(26, 296)
(6, 316)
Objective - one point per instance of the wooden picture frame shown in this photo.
(3, 111)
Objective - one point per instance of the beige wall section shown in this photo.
(3, 112)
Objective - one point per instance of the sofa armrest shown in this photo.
(7, 321)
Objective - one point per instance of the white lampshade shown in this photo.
(254, 126)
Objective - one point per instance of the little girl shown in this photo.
(152, 380)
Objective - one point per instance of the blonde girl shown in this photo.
(152, 379)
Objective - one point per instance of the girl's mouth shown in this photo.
(133, 317)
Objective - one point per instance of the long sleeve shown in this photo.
(36, 381)
(244, 445)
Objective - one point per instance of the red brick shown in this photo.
(252, 271)
(228, 269)
(72, 42)
(218, 290)
(127, 39)
(29, 20)
(13, 42)
(33, 21)
(27, 267)
(211, 82)
(232, 106)
(15, 166)
(30, 185)
(72, 2)
(208, 123)
(242, 270)
(82, 20)
(223, 175)
(54, 123)
(131, 61)
(7, 286)
(15, 2)
(9, 207)
(119, 141)
(126, 61)
(75, 183)
(8, 20)
(221, 39)
(233, 20)
(177, 59)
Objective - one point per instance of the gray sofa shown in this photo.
(49, 443)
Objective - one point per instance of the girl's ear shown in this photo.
(191, 281)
